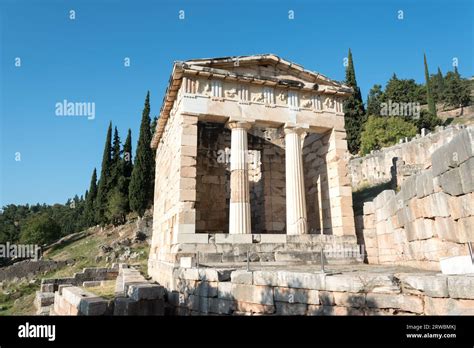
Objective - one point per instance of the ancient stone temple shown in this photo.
(250, 156)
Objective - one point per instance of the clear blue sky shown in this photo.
(82, 60)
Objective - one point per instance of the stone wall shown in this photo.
(174, 214)
(405, 158)
(29, 269)
(87, 274)
(134, 295)
(432, 216)
(213, 179)
(240, 292)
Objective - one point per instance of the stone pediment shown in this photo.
(266, 67)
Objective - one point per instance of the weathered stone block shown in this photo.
(448, 306)
(461, 206)
(125, 306)
(369, 208)
(466, 172)
(269, 278)
(452, 154)
(406, 303)
(419, 229)
(251, 308)
(424, 184)
(206, 289)
(451, 182)
(461, 287)
(332, 310)
(314, 281)
(253, 294)
(343, 282)
(224, 290)
(242, 277)
(291, 295)
(146, 292)
(465, 230)
(43, 299)
(348, 299)
(221, 306)
(93, 306)
(430, 285)
(445, 228)
(285, 308)
(47, 287)
(408, 188)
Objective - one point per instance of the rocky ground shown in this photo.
(95, 247)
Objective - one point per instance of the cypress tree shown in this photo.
(354, 111)
(127, 168)
(153, 125)
(103, 187)
(91, 196)
(429, 95)
(116, 167)
(141, 182)
(456, 72)
(127, 155)
(374, 100)
(440, 83)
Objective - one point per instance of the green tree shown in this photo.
(117, 206)
(40, 229)
(104, 186)
(89, 215)
(384, 131)
(127, 155)
(429, 96)
(141, 182)
(116, 165)
(427, 121)
(153, 125)
(374, 100)
(457, 90)
(127, 168)
(354, 112)
(437, 86)
(403, 91)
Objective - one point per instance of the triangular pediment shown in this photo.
(266, 66)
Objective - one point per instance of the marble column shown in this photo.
(239, 213)
(296, 219)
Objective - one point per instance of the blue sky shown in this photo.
(82, 60)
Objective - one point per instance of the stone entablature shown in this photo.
(294, 88)
(247, 93)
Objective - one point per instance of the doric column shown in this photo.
(296, 220)
(239, 213)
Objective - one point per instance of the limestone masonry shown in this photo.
(249, 150)
(432, 216)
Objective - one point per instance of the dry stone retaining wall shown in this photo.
(29, 269)
(411, 157)
(431, 217)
